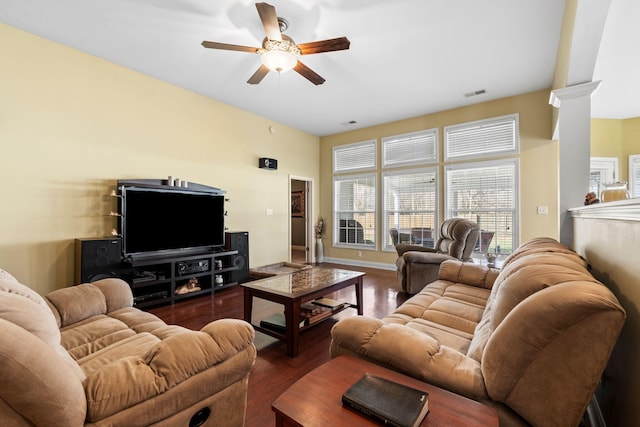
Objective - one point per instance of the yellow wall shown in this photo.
(538, 164)
(616, 138)
(630, 138)
(72, 124)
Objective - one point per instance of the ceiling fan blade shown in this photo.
(269, 21)
(258, 75)
(226, 46)
(340, 43)
(308, 74)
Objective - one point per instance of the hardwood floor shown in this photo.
(273, 371)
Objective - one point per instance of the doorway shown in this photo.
(301, 222)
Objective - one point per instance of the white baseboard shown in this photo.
(380, 265)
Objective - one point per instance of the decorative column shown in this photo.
(573, 132)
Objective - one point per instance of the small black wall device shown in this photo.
(267, 163)
(190, 267)
(239, 241)
(97, 259)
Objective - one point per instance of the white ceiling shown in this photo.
(407, 57)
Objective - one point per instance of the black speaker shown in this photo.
(239, 241)
(97, 259)
(267, 163)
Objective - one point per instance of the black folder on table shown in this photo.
(392, 403)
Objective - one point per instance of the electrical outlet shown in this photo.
(543, 210)
(269, 211)
(359, 254)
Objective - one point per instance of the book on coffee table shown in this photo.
(392, 403)
(329, 303)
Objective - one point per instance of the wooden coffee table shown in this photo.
(291, 290)
(315, 399)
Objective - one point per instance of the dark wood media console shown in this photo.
(170, 244)
(160, 280)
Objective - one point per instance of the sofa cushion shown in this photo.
(446, 311)
(23, 307)
(37, 382)
(77, 303)
(529, 274)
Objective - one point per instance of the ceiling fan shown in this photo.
(279, 52)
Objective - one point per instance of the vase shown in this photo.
(319, 252)
(614, 191)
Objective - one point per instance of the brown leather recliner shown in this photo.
(419, 265)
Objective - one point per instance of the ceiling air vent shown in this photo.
(476, 93)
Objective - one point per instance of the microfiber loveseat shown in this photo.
(84, 356)
(532, 339)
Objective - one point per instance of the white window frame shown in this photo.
(493, 163)
(607, 170)
(336, 212)
(418, 148)
(386, 239)
(364, 153)
(475, 133)
(634, 172)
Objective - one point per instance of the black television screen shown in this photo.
(164, 222)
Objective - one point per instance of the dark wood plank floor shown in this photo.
(274, 372)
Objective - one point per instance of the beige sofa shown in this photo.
(84, 356)
(532, 339)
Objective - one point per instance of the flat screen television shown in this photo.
(166, 222)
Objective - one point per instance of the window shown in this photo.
(410, 206)
(354, 211)
(482, 138)
(410, 148)
(603, 170)
(354, 157)
(634, 175)
(485, 193)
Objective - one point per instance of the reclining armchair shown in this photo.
(419, 265)
(84, 356)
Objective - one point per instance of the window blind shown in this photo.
(354, 210)
(410, 148)
(354, 157)
(410, 206)
(634, 175)
(486, 194)
(482, 138)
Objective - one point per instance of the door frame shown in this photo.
(309, 209)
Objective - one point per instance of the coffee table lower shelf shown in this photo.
(282, 334)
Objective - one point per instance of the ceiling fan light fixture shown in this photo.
(279, 60)
(279, 55)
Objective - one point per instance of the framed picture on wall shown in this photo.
(297, 203)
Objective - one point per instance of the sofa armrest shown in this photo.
(409, 351)
(468, 273)
(416, 257)
(406, 247)
(131, 380)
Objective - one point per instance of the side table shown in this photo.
(315, 400)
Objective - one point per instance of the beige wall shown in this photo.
(616, 138)
(538, 165)
(630, 138)
(72, 124)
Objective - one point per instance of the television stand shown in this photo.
(167, 280)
